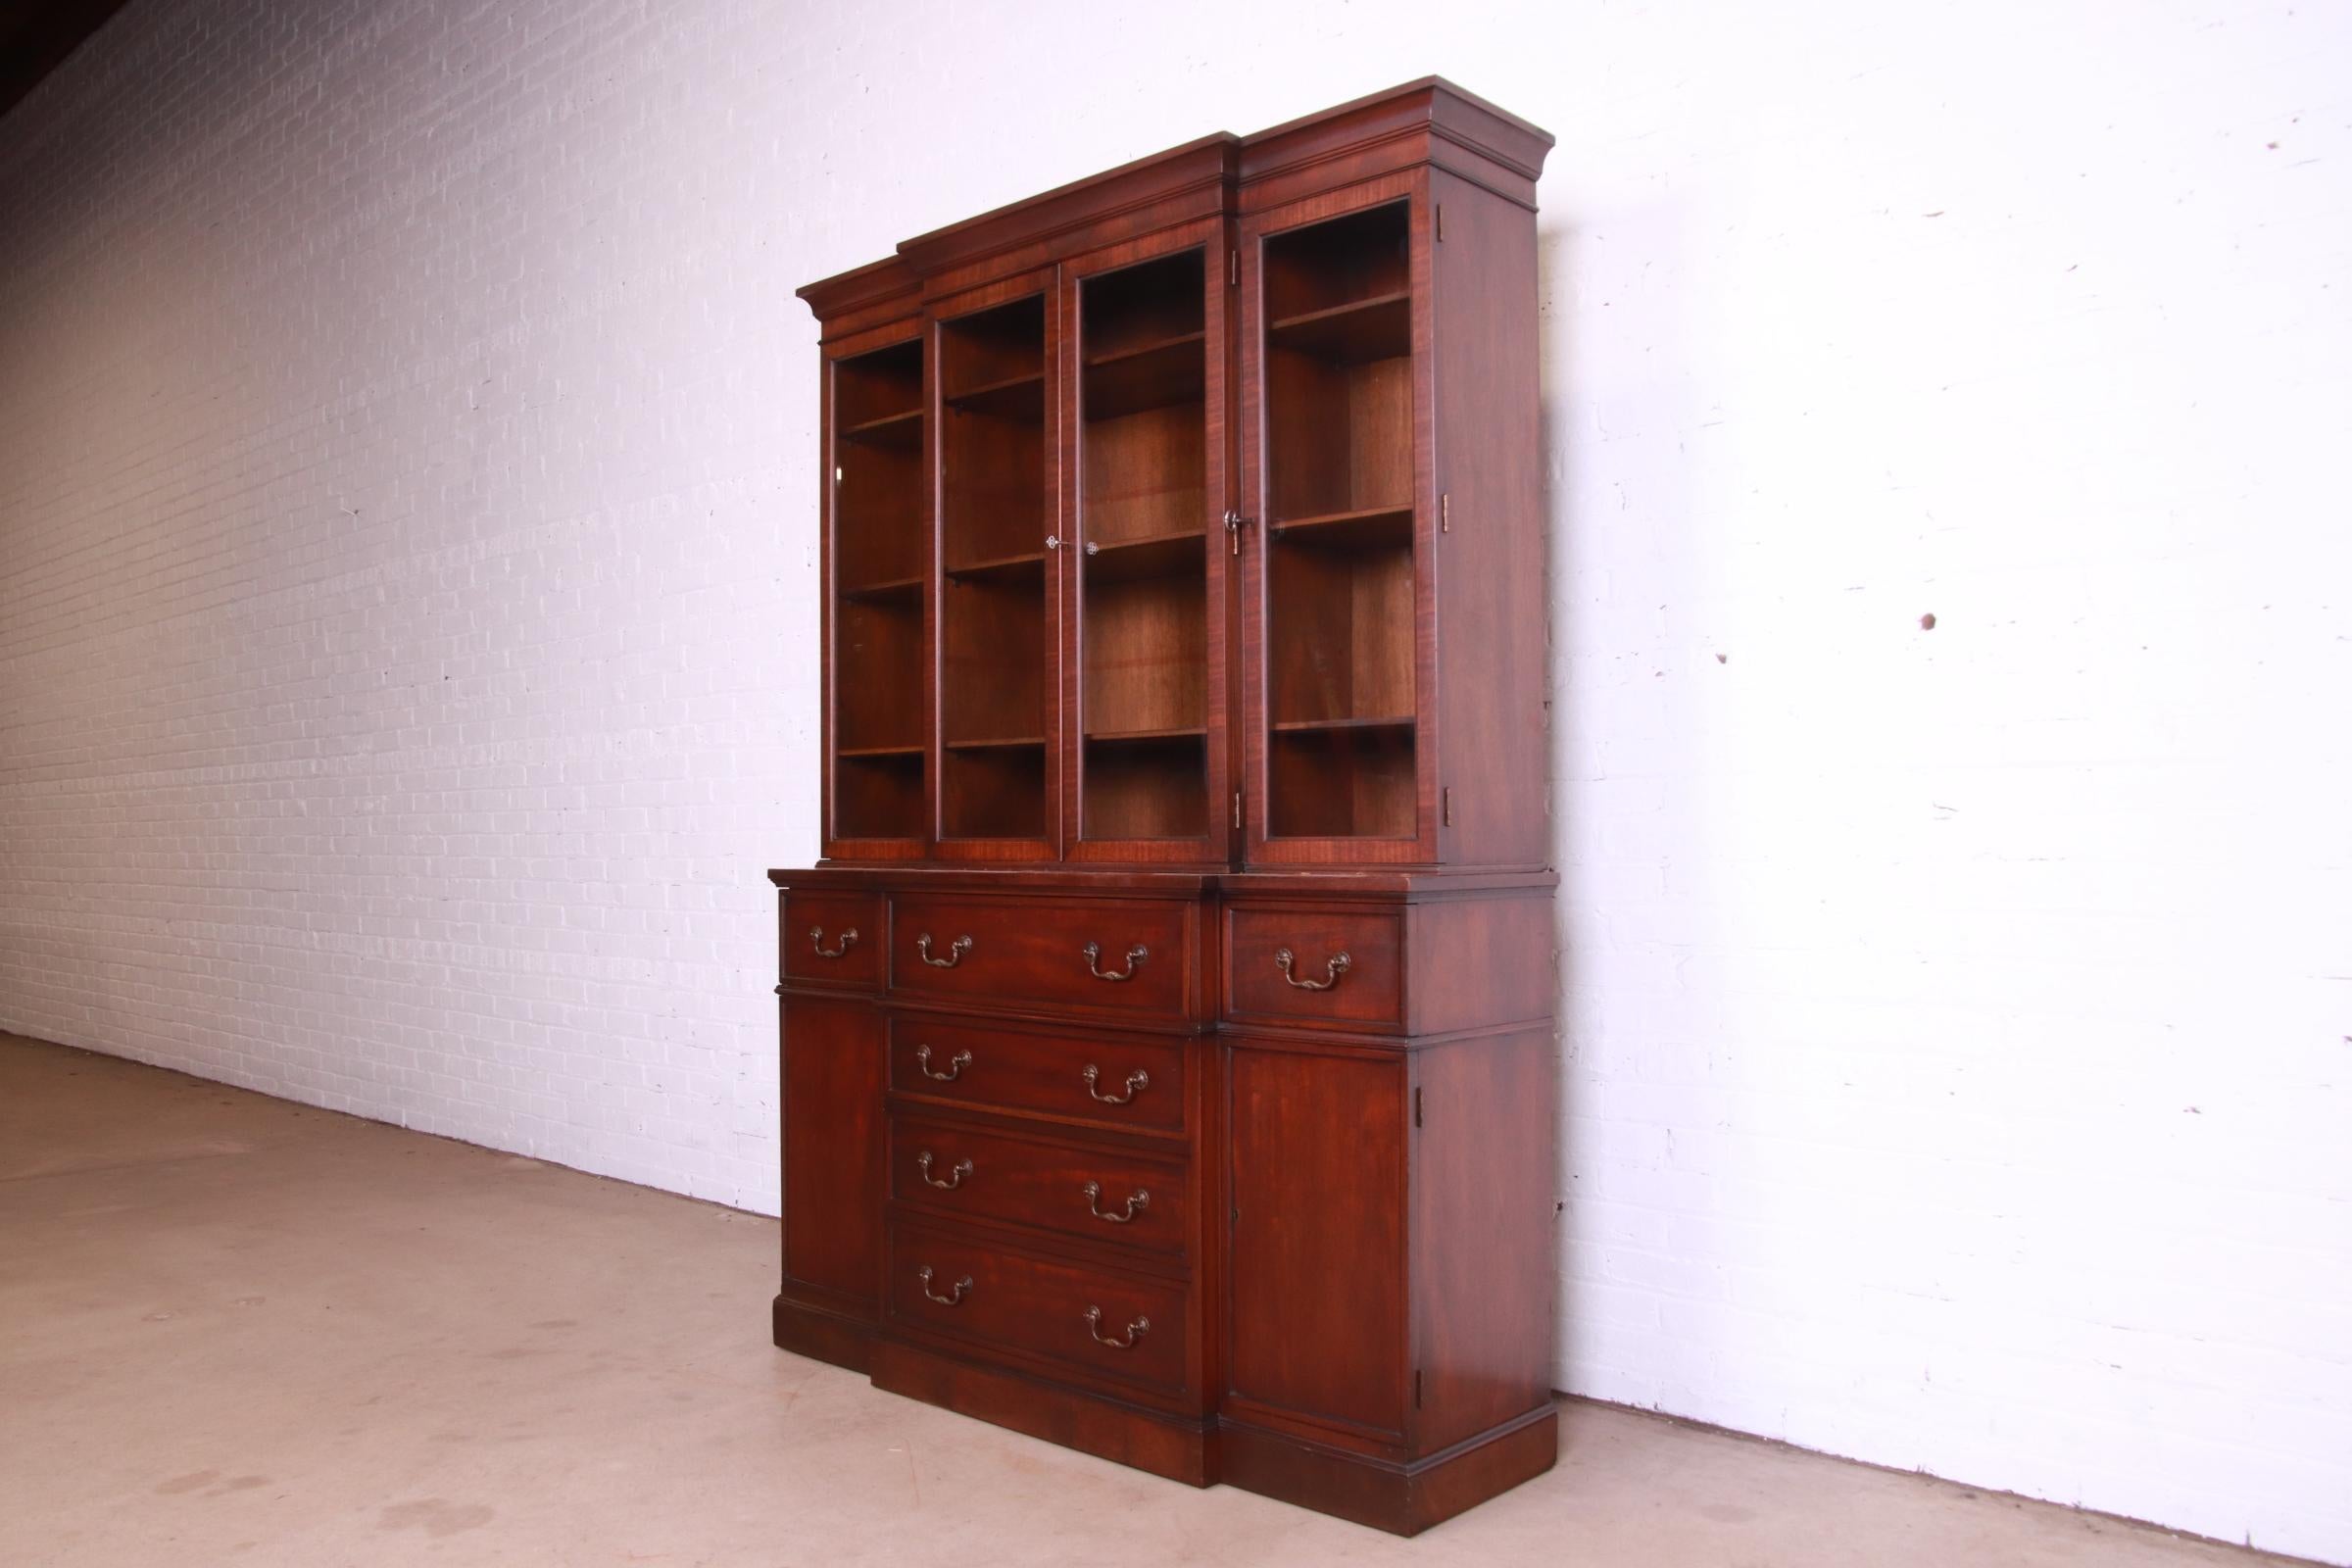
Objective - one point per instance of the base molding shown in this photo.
(1403, 1498)
(820, 1334)
(1148, 1439)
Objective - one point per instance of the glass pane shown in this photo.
(1143, 465)
(878, 594)
(1339, 459)
(994, 518)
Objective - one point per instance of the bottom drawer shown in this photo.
(1112, 1324)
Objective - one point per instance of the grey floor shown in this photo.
(234, 1329)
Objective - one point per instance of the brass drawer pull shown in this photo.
(956, 951)
(1135, 1330)
(955, 1300)
(1093, 953)
(816, 940)
(955, 1064)
(1337, 966)
(1138, 1079)
(1136, 1201)
(955, 1175)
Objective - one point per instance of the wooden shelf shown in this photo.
(1137, 351)
(1021, 566)
(1151, 375)
(900, 432)
(889, 588)
(995, 743)
(1147, 737)
(1335, 726)
(1377, 328)
(1015, 397)
(1379, 527)
(878, 751)
(1160, 555)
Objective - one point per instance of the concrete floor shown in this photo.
(234, 1329)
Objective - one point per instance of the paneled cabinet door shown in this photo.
(1317, 1252)
(1145, 484)
(1337, 424)
(1002, 558)
(834, 1171)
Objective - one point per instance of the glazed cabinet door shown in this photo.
(1001, 566)
(1144, 486)
(834, 1065)
(1317, 1144)
(1335, 460)
(878, 557)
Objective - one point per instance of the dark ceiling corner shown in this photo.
(36, 35)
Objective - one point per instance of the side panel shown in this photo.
(1490, 577)
(1317, 1257)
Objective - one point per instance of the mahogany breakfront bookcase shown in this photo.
(1168, 1031)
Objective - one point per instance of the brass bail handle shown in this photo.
(1093, 953)
(1335, 966)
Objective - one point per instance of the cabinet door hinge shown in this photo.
(1236, 810)
(1440, 222)
(1446, 513)
(1416, 1108)
(1446, 804)
(1233, 268)
(1416, 1388)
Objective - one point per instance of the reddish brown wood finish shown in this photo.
(1043, 1073)
(1313, 964)
(833, 1149)
(1103, 1425)
(1033, 1308)
(834, 939)
(1184, 592)
(1075, 955)
(1318, 1173)
(1101, 1194)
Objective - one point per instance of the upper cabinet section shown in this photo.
(1191, 515)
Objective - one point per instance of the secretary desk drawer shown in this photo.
(1131, 955)
(1131, 1081)
(1080, 1189)
(1106, 1321)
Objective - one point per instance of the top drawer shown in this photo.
(1339, 967)
(1109, 954)
(833, 938)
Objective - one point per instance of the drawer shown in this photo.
(1130, 1328)
(1315, 964)
(1093, 1193)
(1127, 955)
(1130, 1081)
(833, 938)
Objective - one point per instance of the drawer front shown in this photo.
(1109, 1323)
(834, 939)
(1130, 955)
(1093, 1194)
(1129, 1081)
(1344, 967)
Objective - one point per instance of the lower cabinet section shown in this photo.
(1308, 1252)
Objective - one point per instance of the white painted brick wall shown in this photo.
(407, 456)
